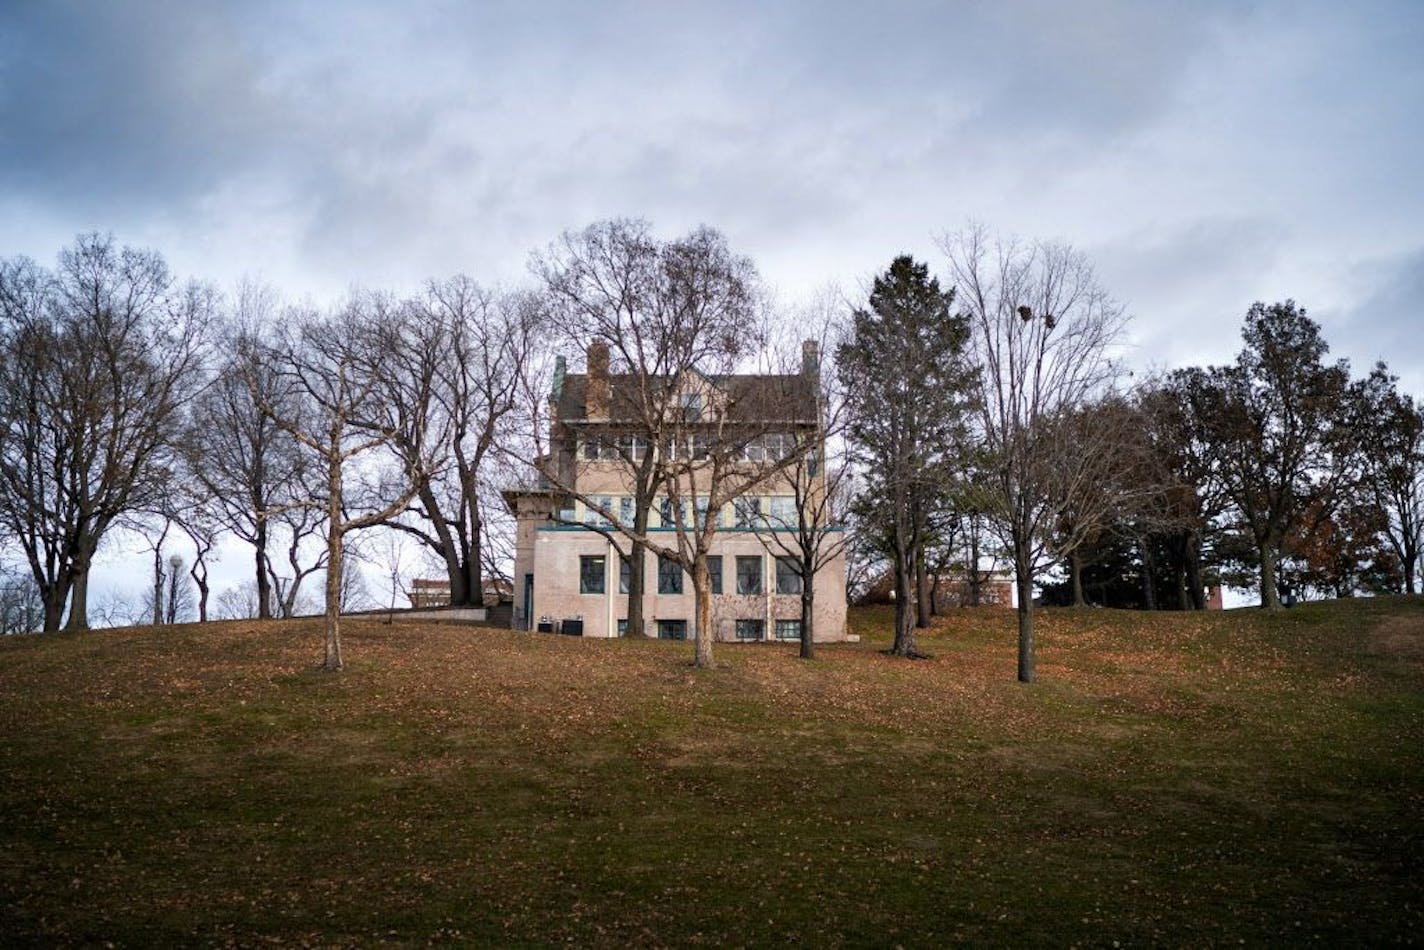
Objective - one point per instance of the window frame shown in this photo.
(782, 624)
(756, 624)
(760, 571)
(666, 567)
(783, 563)
(586, 577)
(714, 574)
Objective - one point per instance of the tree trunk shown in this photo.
(904, 603)
(1075, 571)
(637, 562)
(78, 620)
(52, 596)
(264, 584)
(808, 613)
(702, 594)
(1194, 571)
(334, 539)
(975, 583)
(157, 584)
(1270, 597)
(1149, 588)
(924, 595)
(1023, 577)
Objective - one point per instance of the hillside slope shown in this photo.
(1172, 778)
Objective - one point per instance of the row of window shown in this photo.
(771, 447)
(746, 512)
(746, 629)
(593, 570)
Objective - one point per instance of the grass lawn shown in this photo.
(1179, 779)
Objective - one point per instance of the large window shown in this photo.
(669, 576)
(714, 572)
(625, 574)
(746, 511)
(593, 507)
(749, 574)
(751, 629)
(783, 511)
(671, 510)
(788, 576)
(788, 630)
(627, 508)
(672, 629)
(591, 574)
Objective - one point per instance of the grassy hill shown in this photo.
(1172, 778)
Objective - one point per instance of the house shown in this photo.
(569, 573)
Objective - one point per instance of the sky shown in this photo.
(1205, 155)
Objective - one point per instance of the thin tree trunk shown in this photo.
(157, 584)
(702, 594)
(1023, 576)
(264, 583)
(1149, 589)
(923, 594)
(334, 539)
(808, 613)
(975, 583)
(1075, 571)
(1194, 571)
(637, 575)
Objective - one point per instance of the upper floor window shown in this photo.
(594, 507)
(746, 512)
(783, 511)
(692, 407)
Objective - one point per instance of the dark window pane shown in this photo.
(625, 574)
(788, 630)
(714, 572)
(788, 576)
(591, 574)
(669, 576)
(749, 575)
(672, 629)
(751, 629)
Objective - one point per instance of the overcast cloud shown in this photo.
(1205, 155)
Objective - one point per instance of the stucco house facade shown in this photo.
(569, 572)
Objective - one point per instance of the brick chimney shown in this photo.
(596, 398)
(810, 359)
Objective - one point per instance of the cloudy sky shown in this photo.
(1204, 154)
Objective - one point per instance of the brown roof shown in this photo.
(790, 397)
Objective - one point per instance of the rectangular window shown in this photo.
(623, 627)
(669, 576)
(625, 574)
(590, 447)
(593, 506)
(591, 574)
(754, 451)
(779, 446)
(783, 511)
(751, 629)
(788, 630)
(672, 629)
(746, 512)
(749, 574)
(626, 510)
(788, 576)
(632, 447)
(692, 407)
(714, 572)
(670, 510)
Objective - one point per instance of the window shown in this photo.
(590, 447)
(670, 510)
(754, 451)
(779, 446)
(701, 505)
(788, 630)
(746, 511)
(749, 574)
(669, 576)
(623, 627)
(783, 511)
(751, 629)
(591, 574)
(672, 629)
(625, 574)
(633, 447)
(692, 407)
(714, 572)
(788, 576)
(626, 510)
(592, 507)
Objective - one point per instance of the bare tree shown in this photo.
(811, 531)
(1392, 450)
(21, 608)
(487, 341)
(354, 373)
(97, 360)
(1042, 330)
